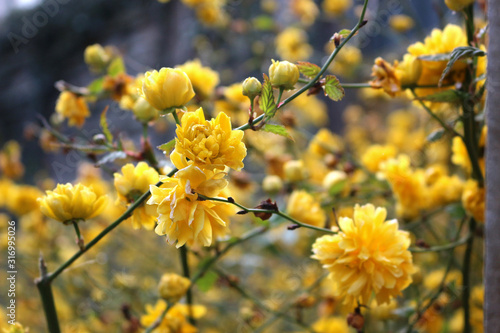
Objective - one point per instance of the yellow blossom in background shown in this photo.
(235, 105)
(130, 184)
(173, 286)
(303, 207)
(433, 279)
(283, 74)
(185, 219)
(203, 79)
(408, 70)
(175, 321)
(375, 155)
(336, 7)
(211, 13)
(208, 144)
(22, 199)
(460, 155)
(326, 142)
(73, 108)
(67, 203)
(294, 170)
(347, 60)
(96, 57)
(369, 255)
(168, 88)
(458, 5)
(310, 110)
(306, 10)
(11, 165)
(15, 328)
(292, 44)
(474, 200)
(401, 23)
(331, 325)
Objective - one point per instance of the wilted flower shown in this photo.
(385, 77)
(67, 203)
(72, 107)
(369, 255)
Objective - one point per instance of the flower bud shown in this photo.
(333, 179)
(294, 171)
(96, 57)
(143, 111)
(458, 5)
(283, 74)
(168, 88)
(172, 287)
(272, 184)
(251, 87)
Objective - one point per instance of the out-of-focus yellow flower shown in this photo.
(22, 199)
(193, 3)
(334, 179)
(72, 107)
(235, 105)
(433, 279)
(331, 325)
(291, 44)
(130, 185)
(211, 13)
(336, 7)
(67, 203)
(306, 10)
(173, 286)
(383, 311)
(295, 171)
(204, 79)
(208, 144)
(15, 328)
(326, 142)
(96, 57)
(460, 155)
(303, 207)
(444, 190)
(251, 87)
(369, 255)
(458, 5)
(185, 219)
(10, 160)
(283, 74)
(143, 111)
(347, 60)
(375, 155)
(168, 88)
(473, 200)
(401, 23)
(176, 318)
(309, 110)
(272, 184)
(408, 70)
(385, 77)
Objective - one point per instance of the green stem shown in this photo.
(185, 271)
(466, 268)
(158, 320)
(176, 117)
(79, 238)
(445, 247)
(145, 131)
(49, 307)
(280, 94)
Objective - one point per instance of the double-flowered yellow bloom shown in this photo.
(73, 108)
(369, 255)
(69, 203)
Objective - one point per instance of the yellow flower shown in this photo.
(204, 79)
(295, 170)
(143, 111)
(385, 77)
(408, 70)
(168, 88)
(291, 44)
(283, 74)
(375, 155)
(331, 325)
(306, 10)
(10, 160)
(326, 142)
(347, 60)
(304, 208)
(175, 320)
(72, 107)
(251, 87)
(208, 144)
(130, 185)
(173, 286)
(96, 57)
(22, 199)
(458, 5)
(473, 200)
(369, 255)
(67, 203)
(336, 7)
(185, 219)
(15, 328)
(401, 23)
(433, 279)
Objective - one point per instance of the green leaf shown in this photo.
(167, 147)
(207, 281)
(436, 57)
(104, 126)
(116, 67)
(263, 22)
(436, 135)
(277, 129)
(337, 188)
(111, 157)
(447, 96)
(344, 33)
(456, 211)
(308, 69)
(95, 86)
(458, 53)
(333, 89)
(267, 103)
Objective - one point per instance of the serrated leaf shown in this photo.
(333, 89)
(436, 135)
(206, 282)
(95, 86)
(104, 126)
(277, 129)
(111, 157)
(458, 53)
(167, 147)
(267, 103)
(447, 96)
(308, 69)
(116, 67)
